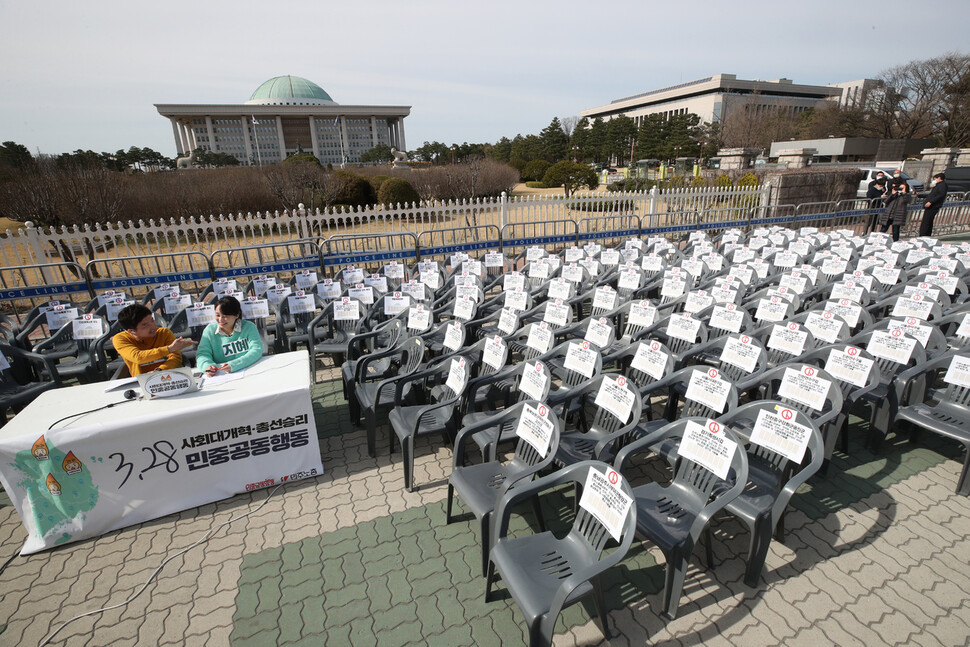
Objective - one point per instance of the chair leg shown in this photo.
(760, 541)
(537, 509)
(370, 417)
(780, 528)
(674, 585)
(483, 526)
(963, 483)
(709, 546)
(600, 601)
(451, 494)
(408, 462)
(489, 579)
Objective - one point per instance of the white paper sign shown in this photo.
(494, 259)
(540, 337)
(254, 308)
(114, 307)
(788, 339)
(913, 327)
(805, 387)
(709, 389)
(849, 365)
(453, 336)
(539, 270)
(708, 446)
(513, 281)
(556, 313)
(109, 296)
(559, 289)
(419, 317)
(740, 352)
(165, 290)
(915, 306)
(346, 309)
(395, 303)
(892, 345)
(200, 314)
(262, 283)
(781, 434)
(305, 280)
(697, 300)
(377, 282)
(610, 257)
(535, 381)
(642, 314)
(650, 359)
(580, 357)
(958, 373)
(300, 303)
(535, 428)
(87, 327)
(508, 321)
(682, 327)
(457, 375)
(599, 332)
(773, 309)
(414, 289)
(604, 298)
(824, 326)
(673, 287)
(726, 318)
(177, 303)
(431, 279)
(516, 299)
(494, 352)
(848, 310)
(328, 289)
(394, 270)
(603, 498)
(616, 397)
(464, 308)
(353, 275)
(363, 293)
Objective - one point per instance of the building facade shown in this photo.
(286, 115)
(714, 97)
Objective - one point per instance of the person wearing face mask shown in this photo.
(896, 209)
(934, 202)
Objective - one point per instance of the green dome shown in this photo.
(290, 90)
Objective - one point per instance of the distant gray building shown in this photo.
(854, 149)
(714, 97)
(284, 115)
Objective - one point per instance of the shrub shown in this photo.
(748, 179)
(350, 189)
(698, 181)
(395, 191)
(376, 181)
(723, 181)
(571, 176)
(535, 170)
(536, 185)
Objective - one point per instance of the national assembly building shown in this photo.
(286, 115)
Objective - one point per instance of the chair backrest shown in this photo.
(646, 361)
(637, 316)
(536, 376)
(569, 376)
(889, 367)
(799, 385)
(851, 374)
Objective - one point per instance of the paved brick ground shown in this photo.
(877, 552)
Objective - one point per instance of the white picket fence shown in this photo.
(36, 245)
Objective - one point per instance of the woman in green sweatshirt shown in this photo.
(229, 344)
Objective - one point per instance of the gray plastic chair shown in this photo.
(673, 516)
(945, 412)
(545, 574)
(771, 482)
(480, 486)
(21, 383)
(595, 432)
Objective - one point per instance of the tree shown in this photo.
(434, 152)
(380, 154)
(579, 141)
(502, 150)
(16, 156)
(596, 142)
(554, 140)
(621, 133)
(570, 176)
(535, 170)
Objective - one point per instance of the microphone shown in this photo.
(131, 394)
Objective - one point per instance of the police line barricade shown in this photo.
(441, 244)
(952, 218)
(369, 252)
(26, 286)
(136, 275)
(280, 260)
(552, 235)
(609, 231)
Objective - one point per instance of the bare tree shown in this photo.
(569, 124)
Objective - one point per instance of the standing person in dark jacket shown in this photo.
(934, 201)
(875, 194)
(896, 209)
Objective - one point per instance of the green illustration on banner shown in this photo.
(57, 486)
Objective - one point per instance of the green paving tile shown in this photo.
(409, 578)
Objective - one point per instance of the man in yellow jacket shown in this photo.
(143, 345)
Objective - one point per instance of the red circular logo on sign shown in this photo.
(542, 410)
(621, 381)
(614, 477)
(911, 321)
(714, 427)
(585, 345)
(712, 372)
(826, 315)
(924, 286)
(793, 326)
(809, 371)
(843, 302)
(852, 351)
(655, 345)
(731, 307)
(917, 297)
(775, 300)
(745, 339)
(897, 333)
(787, 414)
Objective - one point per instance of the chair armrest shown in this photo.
(36, 358)
(402, 380)
(904, 379)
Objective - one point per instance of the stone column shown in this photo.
(178, 137)
(733, 159)
(187, 137)
(373, 132)
(796, 157)
(942, 158)
(343, 139)
(244, 120)
(400, 135)
(210, 133)
(963, 159)
(279, 136)
(313, 137)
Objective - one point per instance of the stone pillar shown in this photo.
(400, 135)
(733, 159)
(313, 137)
(796, 157)
(178, 137)
(373, 132)
(187, 137)
(279, 137)
(343, 140)
(244, 120)
(210, 133)
(963, 159)
(942, 158)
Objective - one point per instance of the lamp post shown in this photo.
(452, 154)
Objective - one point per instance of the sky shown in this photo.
(85, 75)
